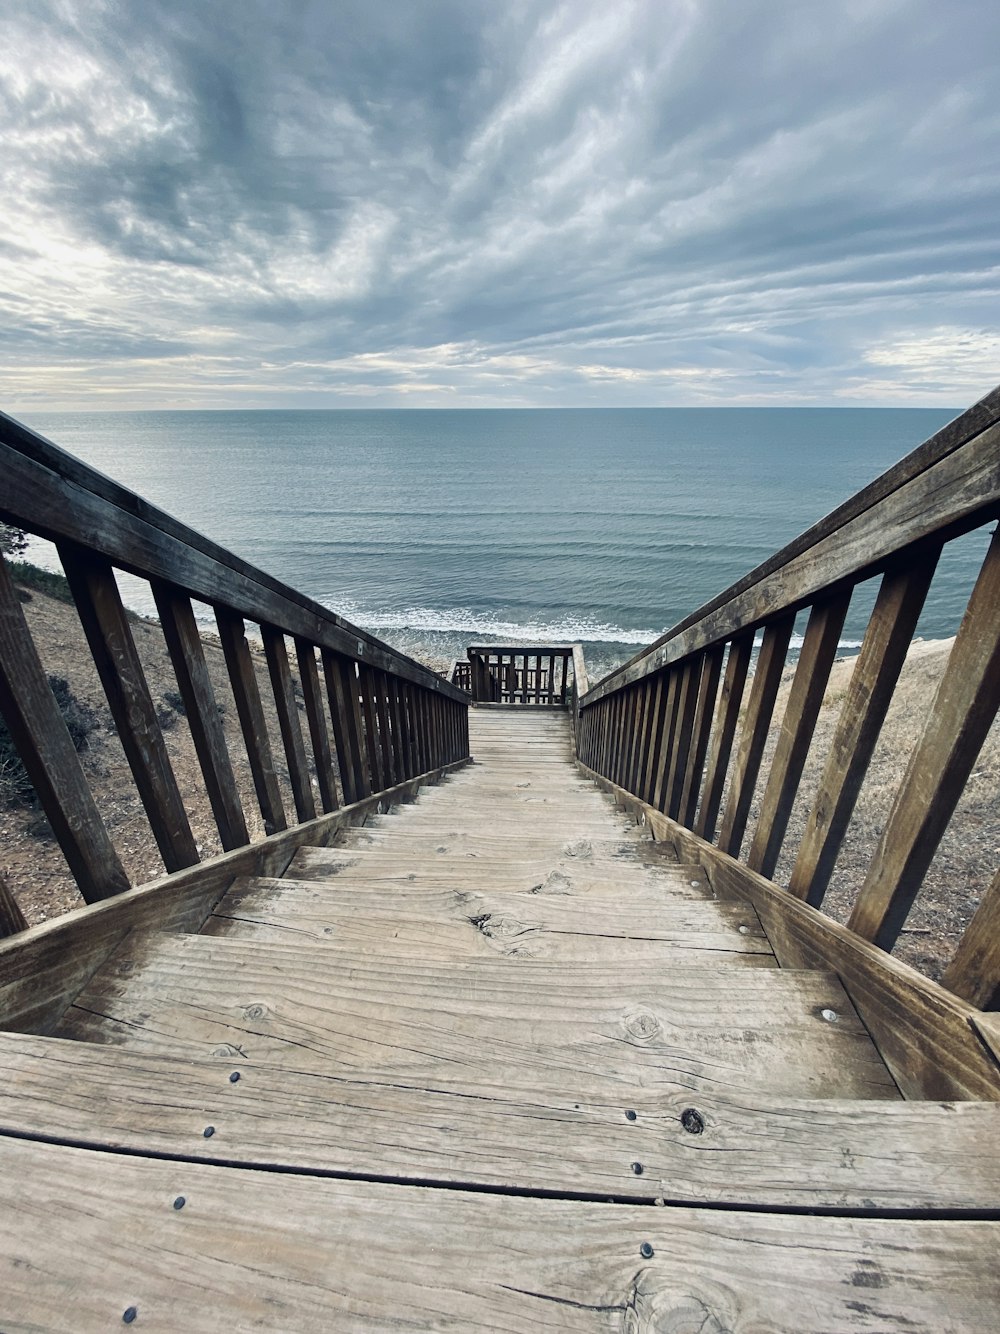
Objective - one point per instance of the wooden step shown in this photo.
(537, 875)
(755, 1149)
(577, 1027)
(514, 926)
(88, 1237)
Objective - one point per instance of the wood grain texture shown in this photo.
(727, 716)
(312, 697)
(462, 925)
(753, 1150)
(43, 968)
(974, 971)
(923, 1032)
(570, 1025)
(49, 757)
(266, 1251)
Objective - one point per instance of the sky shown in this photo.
(455, 203)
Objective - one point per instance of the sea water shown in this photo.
(435, 528)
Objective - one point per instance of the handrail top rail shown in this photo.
(520, 648)
(719, 618)
(21, 447)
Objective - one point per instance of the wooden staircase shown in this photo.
(493, 1060)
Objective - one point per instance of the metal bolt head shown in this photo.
(180, 1202)
(695, 884)
(630, 1115)
(692, 1121)
(744, 930)
(128, 1315)
(234, 1078)
(831, 1016)
(208, 1132)
(646, 1251)
(637, 1169)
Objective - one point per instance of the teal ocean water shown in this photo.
(438, 528)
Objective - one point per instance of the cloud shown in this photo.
(659, 201)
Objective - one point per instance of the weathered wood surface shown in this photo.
(752, 1149)
(926, 1035)
(43, 968)
(57, 496)
(974, 971)
(544, 1025)
(271, 1251)
(460, 925)
(947, 486)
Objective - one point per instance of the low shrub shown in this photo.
(80, 719)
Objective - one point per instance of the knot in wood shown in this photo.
(255, 1011)
(642, 1026)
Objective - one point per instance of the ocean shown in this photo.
(436, 529)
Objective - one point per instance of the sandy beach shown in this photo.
(35, 871)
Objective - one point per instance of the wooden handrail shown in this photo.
(536, 674)
(683, 725)
(392, 718)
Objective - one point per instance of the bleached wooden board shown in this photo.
(563, 1025)
(87, 1236)
(464, 926)
(752, 1150)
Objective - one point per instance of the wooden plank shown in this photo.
(869, 694)
(805, 698)
(43, 968)
(708, 688)
(923, 1032)
(963, 711)
(288, 721)
(49, 757)
(754, 1150)
(753, 735)
(246, 693)
(974, 971)
(724, 732)
(57, 496)
(305, 655)
(277, 1251)
(459, 925)
(92, 582)
(180, 630)
(543, 1025)
(954, 494)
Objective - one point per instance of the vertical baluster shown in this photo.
(643, 732)
(708, 689)
(180, 631)
(562, 678)
(961, 716)
(687, 700)
(92, 582)
(250, 711)
(345, 711)
(305, 653)
(726, 717)
(883, 652)
(550, 697)
(657, 712)
(819, 648)
(974, 972)
(400, 758)
(47, 752)
(288, 721)
(366, 687)
(672, 691)
(753, 737)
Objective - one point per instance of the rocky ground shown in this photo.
(34, 868)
